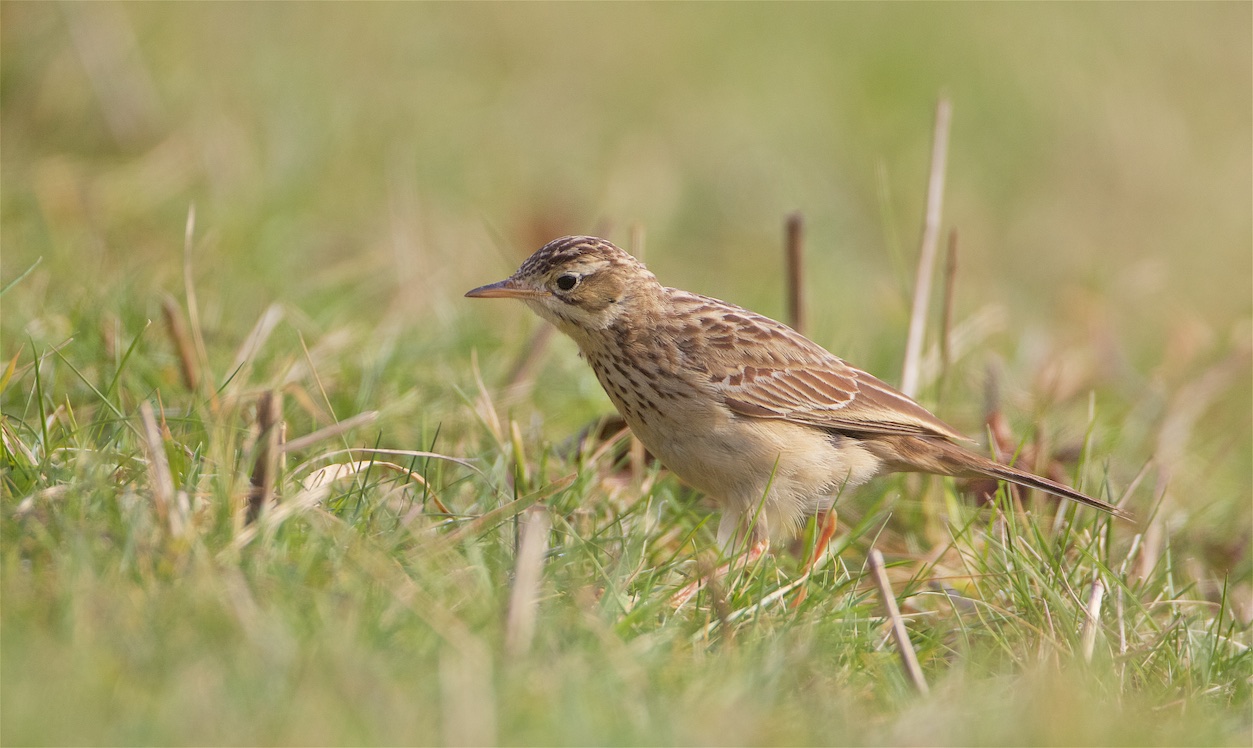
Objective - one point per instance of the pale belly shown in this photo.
(741, 462)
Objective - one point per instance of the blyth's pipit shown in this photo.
(740, 406)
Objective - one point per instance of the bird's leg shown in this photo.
(743, 529)
(756, 550)
(825, 526)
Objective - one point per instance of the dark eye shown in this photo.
(567, 282)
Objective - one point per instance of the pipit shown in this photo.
(742, 407)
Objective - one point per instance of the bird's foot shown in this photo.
(688, 591)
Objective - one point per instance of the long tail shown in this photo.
(936, 455)
(1031, 480)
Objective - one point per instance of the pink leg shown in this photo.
(688, 591)
(826, 530)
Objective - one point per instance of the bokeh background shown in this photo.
(410, 150)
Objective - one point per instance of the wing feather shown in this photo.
(792, 378)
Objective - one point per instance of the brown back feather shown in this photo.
(791, 377)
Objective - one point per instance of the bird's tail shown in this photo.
(935, 455)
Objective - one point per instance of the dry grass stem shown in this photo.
(193, 307)
(1173, 436)
(269, 432)
(521, 471)
(265, 325)
(909, 659)
(331, 473)
(1130, 490)
(1092, 620)
(269, 521)
(483, 405)
(528, 570)
(160, 479)
(335, 471)
(963, 337)
(926, 256)
(183, 344)
(482, 523)
(330, 432)
(522, 374)
(411, 453)
(608, 443)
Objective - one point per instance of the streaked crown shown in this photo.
(572, 250)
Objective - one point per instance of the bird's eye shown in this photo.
(567, 282)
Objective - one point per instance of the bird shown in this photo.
(769, 424)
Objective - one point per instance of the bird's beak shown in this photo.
(506, 289)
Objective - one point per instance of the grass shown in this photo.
(454, 564)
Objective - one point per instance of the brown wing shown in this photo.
(764, 369)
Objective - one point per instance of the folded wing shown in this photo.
(794, 379)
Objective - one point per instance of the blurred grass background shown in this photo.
(362, 166)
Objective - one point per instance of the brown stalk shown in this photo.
(183, 343)
(269, 441)
(794, 248)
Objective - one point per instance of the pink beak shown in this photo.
(506, 289)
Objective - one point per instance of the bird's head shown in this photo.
(579, 283)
